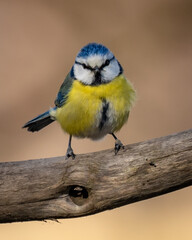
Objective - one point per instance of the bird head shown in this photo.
(95, 64)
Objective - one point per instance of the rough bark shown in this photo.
(56, 188)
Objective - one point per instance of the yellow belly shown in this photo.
(81, 114)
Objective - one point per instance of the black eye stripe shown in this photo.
(107, 62)
(84, 65)
(87, 67)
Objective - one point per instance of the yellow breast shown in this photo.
(82, 112)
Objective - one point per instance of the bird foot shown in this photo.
(118, 145)
(69, 153)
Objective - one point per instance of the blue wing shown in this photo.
(45, 119)
(63, 91)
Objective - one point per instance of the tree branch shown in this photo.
(56, 188)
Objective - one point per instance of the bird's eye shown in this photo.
(107, 62)
(86, 67)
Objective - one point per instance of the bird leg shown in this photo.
(118, 144)
(69, 152)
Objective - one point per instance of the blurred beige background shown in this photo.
(153, 41)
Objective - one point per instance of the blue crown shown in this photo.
(92, 49)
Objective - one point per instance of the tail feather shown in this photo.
(39, 122)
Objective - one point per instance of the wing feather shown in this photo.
(63, 91)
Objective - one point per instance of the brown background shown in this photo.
(153, 41)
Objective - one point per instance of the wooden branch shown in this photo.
(56, 188)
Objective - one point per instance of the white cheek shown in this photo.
(83, 75)
(111, 71)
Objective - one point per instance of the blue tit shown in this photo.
(94, 100)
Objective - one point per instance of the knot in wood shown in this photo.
(78, 192)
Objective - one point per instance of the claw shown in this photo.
(118, 146)
(69, 153)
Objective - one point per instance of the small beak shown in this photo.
(96, 69)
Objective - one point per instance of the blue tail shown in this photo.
(39, 122)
